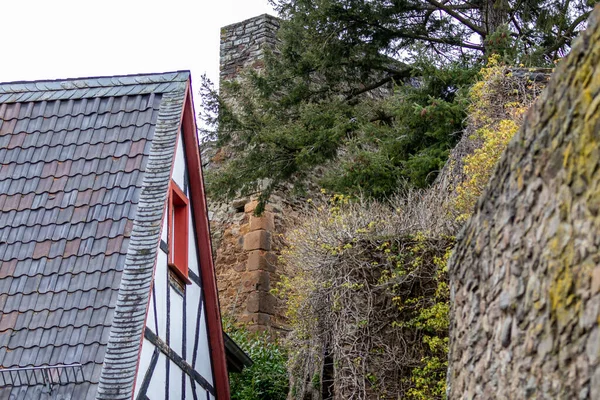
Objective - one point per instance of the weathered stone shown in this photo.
(255, 319)
(596, 280)
(263, 302)
(250, 207)
(257, 240)
(242, 45)
(239, 204)
(506, 331)
(261, 260)
(526, 265)
(256, 280)
(505, 300)
(240, 267)
(265, 222)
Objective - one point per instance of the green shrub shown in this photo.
(267, 378)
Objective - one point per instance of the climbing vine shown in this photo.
(368, 300)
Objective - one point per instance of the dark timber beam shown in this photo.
(178, 360)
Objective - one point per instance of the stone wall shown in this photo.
(243, 43)
(525, 276)
(246, 246)
(245, 261)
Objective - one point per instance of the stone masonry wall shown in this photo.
(245, 262)
(243, 43)
(525, 276)
(246, 246)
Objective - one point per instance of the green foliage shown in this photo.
(398, 139)
(370, 89)
(498, 102)
(424, 121)
(426, 312)
(540, 30)
(267, 378)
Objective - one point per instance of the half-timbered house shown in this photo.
(107, 287)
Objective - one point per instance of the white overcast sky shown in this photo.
(53, 39)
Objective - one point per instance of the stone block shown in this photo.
(239, 267)
(255, 319)
(595, 280)
(239, 204)
(244, 228)
(261, 260)
(258, 328)
(263, 302)
(257, 240)
(250, 207)
(265, 222)
(256, 280)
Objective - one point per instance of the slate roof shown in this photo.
(79, 160)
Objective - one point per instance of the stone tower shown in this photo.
(243, 44)
(245, 245)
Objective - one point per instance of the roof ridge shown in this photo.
(104, 86)
(94, 81)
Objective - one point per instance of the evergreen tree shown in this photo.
(370, 89)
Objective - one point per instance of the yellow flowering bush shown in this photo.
(498, 102)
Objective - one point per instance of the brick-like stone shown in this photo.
(251, 206)
(263, 302)
(595, 280)
(258, 328)
(257, 240)
(240, 267)
(255, 319)
(537, 220)
(261, 260)
(265, 222)
(236, 39)
(256, 280)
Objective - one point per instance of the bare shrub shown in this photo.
(367, 278)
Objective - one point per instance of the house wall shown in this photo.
(178, 319)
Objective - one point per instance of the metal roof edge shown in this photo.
(237, 358)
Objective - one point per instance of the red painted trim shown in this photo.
(207, 269)
(178, 232)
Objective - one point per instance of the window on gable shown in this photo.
(178, 232)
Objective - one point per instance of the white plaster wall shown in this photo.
(203, 365)
(144, 363)
(179, 167)
(175, 375)
(192, 254)
(176, 309)
(192, 299)
(164, 234)
(151, 317)
(156, 389)
(161, 286)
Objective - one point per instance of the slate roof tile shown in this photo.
(73, 156)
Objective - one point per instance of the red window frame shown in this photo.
(178, 235)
